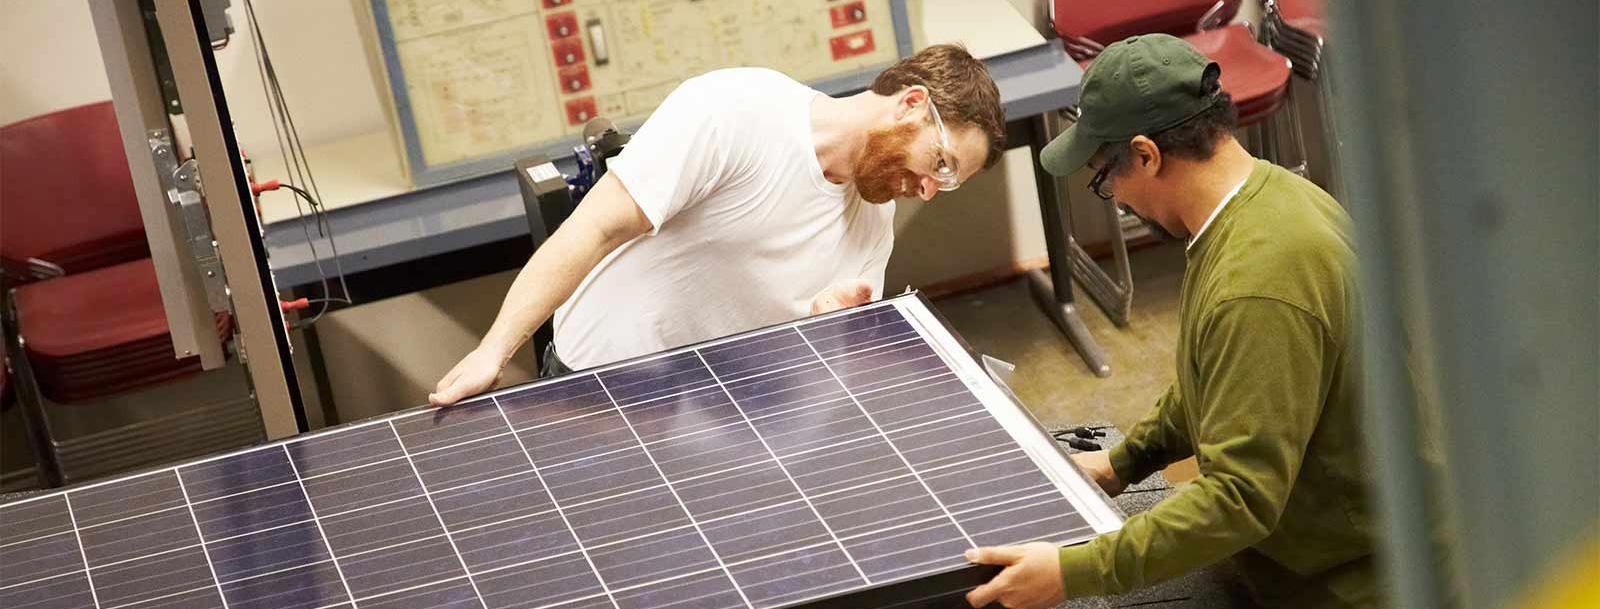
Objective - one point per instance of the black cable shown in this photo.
(327, 300)
(297, 168)
(333, 244)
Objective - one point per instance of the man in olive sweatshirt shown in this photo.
(1268, 391)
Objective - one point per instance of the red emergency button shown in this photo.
(851, 45)
(562, 25)
(556, 3)
(574, 78)
(849, 14)
(567, 51)
(579, 111)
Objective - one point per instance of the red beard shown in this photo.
(881, 170)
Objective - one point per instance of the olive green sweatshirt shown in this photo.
(1268, 400)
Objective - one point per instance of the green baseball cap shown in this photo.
(1142, 85)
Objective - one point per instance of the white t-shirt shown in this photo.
(746, 231)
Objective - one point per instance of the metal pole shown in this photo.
(264, 337)
(1470, 158)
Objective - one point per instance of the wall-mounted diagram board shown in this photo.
(476, 84)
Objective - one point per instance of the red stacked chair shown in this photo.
(69, 203)
(86, 305)
(68, 195)
(1087, 26)
(1256, 78)
(100, 332)
(1296, 28)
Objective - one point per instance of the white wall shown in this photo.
(50, 60)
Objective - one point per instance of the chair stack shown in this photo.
(1256, 77)
(83, 306)
(101, 333)
(1296, 29)
(1087, 27)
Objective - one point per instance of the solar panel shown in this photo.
(845, 460)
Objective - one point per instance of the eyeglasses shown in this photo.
(1098, 182)
(947, 171)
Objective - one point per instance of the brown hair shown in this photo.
(961, 89)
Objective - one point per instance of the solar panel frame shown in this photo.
(305, 457)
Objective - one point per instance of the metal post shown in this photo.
(136, 95)
(1469, 149)
(1054, 291)
(264, 337)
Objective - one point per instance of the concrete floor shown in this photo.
(1053, 382)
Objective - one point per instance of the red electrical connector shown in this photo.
(294, 305)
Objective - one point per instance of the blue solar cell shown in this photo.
(236, 474)
(341, 491)
(379, 527)
(258, 554)
(156, 576)
(601, 476)
(705, 590)
(627, 516)
(233, 515)
(794, 576)
(737, 491)
(659, 556)
(456, 594)
(834, 469)
(819, 425)
(774, 468)
(920, 403)
(120, 540)
(907, 550)
(396, 568)
(470, 420)
(126, 498)
(874, 506)
(680, 415)
(45, 516)
(306, 586)
(65, 592)
(39, 557)
(510, 543)
(578, 438)
(708, 452)
(781, 528)
(551, 581)
(555, 401)
(656, 379)
(1041, 518)
(491, 501)
(951, 440)
(985, 480)
(472, 463)
(337, 452)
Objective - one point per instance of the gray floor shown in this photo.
(1004, 322)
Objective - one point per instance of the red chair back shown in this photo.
(1107, 21)
(66, 194)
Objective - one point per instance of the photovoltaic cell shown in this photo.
(825, 461)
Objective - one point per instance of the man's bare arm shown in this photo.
(607, 218)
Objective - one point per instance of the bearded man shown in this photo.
(746, 199)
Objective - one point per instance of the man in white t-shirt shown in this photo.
(747, 199)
